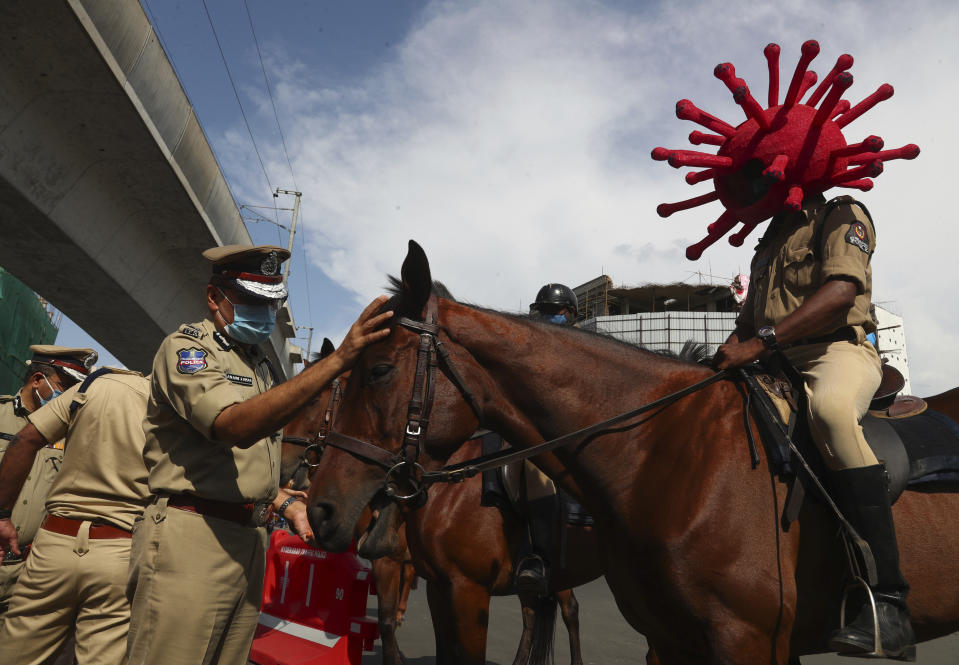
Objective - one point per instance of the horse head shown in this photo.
(304, 436)
(403, 411)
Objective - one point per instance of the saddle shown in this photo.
(502, 487)
(918, 445)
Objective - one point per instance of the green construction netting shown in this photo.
(23, 321)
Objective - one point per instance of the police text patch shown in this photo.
(192, 332)
(856, 235)
(242, 380)
(190, 361)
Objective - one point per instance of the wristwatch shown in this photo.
(768, 336)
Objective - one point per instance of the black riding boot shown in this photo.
(862, 495)
(532, 571)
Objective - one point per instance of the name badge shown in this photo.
(241, 380)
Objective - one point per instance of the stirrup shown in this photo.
(908, 654)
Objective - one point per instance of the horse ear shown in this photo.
(327, 348)
(417, 282)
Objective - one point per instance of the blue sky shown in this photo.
(512, 139)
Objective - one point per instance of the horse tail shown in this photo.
(541, 643)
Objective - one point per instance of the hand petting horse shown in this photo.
(690, 536)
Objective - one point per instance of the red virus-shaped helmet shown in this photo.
(779, 154)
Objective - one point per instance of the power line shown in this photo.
(237, 95)
(269, 91)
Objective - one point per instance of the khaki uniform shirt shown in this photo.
(788, 268)
(104, 477)
(196, 374)
(28, 512)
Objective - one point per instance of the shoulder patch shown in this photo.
(190, 361)
(242, 380)
(856, 235)
(195, 333)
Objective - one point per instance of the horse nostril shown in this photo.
(319, 514)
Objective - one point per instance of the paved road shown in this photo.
(607, 639)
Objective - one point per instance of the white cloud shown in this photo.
(512, 141)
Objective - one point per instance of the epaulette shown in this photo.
(6, 398)
(192, 331)
(831, 205)
(222, 341)
(74, 405)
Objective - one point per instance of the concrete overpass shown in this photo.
(109, 190)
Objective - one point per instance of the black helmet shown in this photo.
(555, 296)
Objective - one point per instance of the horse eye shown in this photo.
(379, 371)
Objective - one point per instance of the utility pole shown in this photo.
(296, 210)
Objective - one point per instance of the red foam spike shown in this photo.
(716, 230)
(868, 170)
(696, 177)
(679, 158)
(777, 170)
(883, 93)
(772, 60)
(737, 238)
(794, 199)
(808, 81)
(863, 185)
(809, 51)
(871, 144)
(726, 73)
(909, 151)
(843, 63)
(667, 209)
(841, 108)
(697, 137)
(661, 154)
(840, 84)
(686, 110)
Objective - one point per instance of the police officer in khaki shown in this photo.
(75, 577)
(51, 370)
(213, 454)
(809, 295)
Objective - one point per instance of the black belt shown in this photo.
(844, 334)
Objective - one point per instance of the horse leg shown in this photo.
(441, 613)
(471, 616)
(569, 606)
(526, 639)
(387, 575)
(407, 583)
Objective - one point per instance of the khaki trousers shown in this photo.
(8, 580)
(69, 581)
(195, 586)
(841, 379)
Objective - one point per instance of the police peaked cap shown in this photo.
(254, 271)
(75, 363)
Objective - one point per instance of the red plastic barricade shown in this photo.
(314, 606)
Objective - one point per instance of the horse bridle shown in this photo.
(403, 468)
(317, 442)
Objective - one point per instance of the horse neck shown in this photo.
(556, 380)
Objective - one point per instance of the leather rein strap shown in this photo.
(404, 463)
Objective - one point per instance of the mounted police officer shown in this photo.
(555, 304)
(213, 453)
(809, 297)
(51, 370)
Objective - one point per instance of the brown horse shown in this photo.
(463, 549)
(690, 537)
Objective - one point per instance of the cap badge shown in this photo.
(270, 264)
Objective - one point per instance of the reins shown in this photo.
(403, 466)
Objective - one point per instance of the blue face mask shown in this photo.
(252, 324)
(556, 319)
(54, 393)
